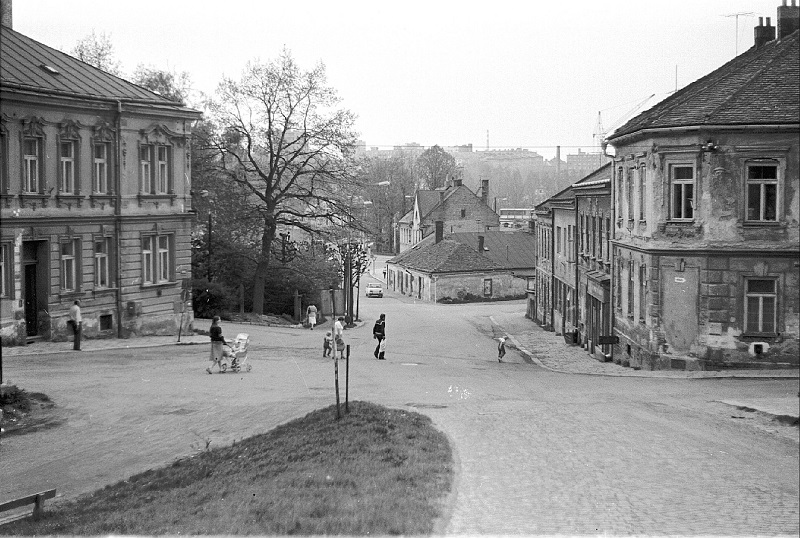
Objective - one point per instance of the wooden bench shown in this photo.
(37, 499)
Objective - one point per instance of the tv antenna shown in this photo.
(737, 15)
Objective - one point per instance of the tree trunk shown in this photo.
(260, 278)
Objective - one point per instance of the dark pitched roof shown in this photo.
(512, 250)
(759, 87)
(21, 67)
(446, 256)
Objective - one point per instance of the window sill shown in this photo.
(160, 285)
(102, 199)
(760, 336)
(36, 198)
(70, 295)
(762, 224)
(157, 198)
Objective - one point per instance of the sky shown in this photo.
(520, 74)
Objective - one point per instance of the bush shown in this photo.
(210, 299)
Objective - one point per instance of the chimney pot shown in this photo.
(769, 22)
(6, 15)
(788, 19)
(439, 230)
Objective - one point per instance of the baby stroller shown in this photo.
(237, 353)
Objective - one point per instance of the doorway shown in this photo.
(34, 284)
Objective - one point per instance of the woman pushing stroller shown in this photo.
(217, 341)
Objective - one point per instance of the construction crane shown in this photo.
(737, 15)
(600, 131)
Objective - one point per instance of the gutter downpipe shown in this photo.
(552, 269)
(612, 256)
(576, 299)
(118, 215)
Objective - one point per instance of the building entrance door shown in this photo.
(680, 295)
(31, 303)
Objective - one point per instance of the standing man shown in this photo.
(76, 321)
(311, 312)
(379, 333)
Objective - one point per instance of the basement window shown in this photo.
(50, 69)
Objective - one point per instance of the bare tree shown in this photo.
(435, 166)
(97, 50)
(281, 136)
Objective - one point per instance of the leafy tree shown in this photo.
(172, 85)
(279, 136)
(389, 181)
(435, 166)
(97, 50)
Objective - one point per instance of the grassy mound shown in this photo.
(375, 471)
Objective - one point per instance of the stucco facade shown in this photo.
(95, 206)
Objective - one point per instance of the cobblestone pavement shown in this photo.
(538, 450)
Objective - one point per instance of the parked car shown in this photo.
(374, 290)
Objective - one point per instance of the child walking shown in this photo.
(501, 349)
(327, 344)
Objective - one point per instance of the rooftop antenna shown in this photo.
(737, 15)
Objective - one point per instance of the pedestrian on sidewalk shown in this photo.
(311, 313)
(76, 322)
(338, 353)
(217, 341)
(338, 327)
(379, 333)
(501, 349)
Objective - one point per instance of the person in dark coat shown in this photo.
(379, 333)
(217, 341)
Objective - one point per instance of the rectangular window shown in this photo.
(620, 185)
(762, 192)
(760, 305)
(631, 186)
(682, 186)
(558, 239)
(642, 191)
(69, 279)
(618, 284)
(5, 267)
(31, 152)
(162, 168)
(145, 168)
(583, 233)
(600, 238)
(100, 185)
(163, 259)
(630, 289)
(101, 262)
(642, 292)
(67, 167)
(487, 287)
(608, 239)
(157, 259)
(594, 237)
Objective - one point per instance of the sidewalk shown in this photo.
(549, 351)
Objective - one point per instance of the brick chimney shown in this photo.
(480, 244)
(439, 230)
(763, 34)
(5, 14)
(485, 191)
(456, 182)
(788, 19)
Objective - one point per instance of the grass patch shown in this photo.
(375, 471)
(26, 411)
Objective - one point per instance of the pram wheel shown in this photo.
(223, 367)
(249, 367)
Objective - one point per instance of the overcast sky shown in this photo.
(533, 74)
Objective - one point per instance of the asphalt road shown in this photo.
(538, 452)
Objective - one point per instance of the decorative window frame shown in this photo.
(487, 287)
(103, 133)
(33, 128)
(767, 157)
(159, 137)
(77, 245)
(110, 255)
(155, 264)
(761, 275)
(681, 162)
(69, 131)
